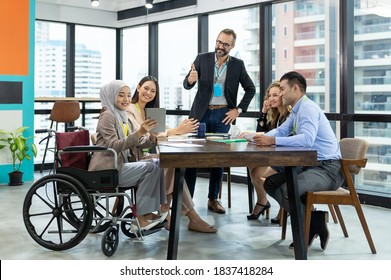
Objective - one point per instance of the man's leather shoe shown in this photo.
(319, 219)
(313, 231)
(318, 227)
(310, 240)
(215, 206)
(204, 228)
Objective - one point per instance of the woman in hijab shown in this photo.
(116, 131)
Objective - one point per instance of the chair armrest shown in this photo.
(87, 149)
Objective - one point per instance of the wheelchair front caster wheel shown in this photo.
(125, 226)
(110, 241)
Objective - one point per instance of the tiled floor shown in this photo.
(237, 238)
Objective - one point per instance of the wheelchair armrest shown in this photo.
(87, 149)
(41, 130)
(45, 130)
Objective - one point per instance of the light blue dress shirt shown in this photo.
(309, 128)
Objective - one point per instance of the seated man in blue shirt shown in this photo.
(307, 127)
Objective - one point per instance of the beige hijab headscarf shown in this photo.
(108, 96)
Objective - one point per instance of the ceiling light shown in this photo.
(149, 4)
(94, 3)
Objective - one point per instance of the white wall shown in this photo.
(54, 12)
(12, 120)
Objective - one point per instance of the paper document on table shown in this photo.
(180, 145)
(186, 139)
(229, 141)
(179, 136)
(249, 136)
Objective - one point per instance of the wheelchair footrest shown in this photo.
(154, 229)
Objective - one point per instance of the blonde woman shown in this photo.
(273, 114)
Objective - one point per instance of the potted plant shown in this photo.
(20, 150)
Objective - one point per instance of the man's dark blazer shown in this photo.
(236, 74)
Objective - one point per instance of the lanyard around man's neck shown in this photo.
(220, 70)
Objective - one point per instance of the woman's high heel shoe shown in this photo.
(256, 216)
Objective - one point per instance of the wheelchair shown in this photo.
(60, 209)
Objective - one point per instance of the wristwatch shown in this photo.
(239, 110)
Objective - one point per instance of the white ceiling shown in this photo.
(105, 5)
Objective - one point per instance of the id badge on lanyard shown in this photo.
(217, 90)
(218, 87)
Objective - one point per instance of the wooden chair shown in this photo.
(353, 152)
(62, 112)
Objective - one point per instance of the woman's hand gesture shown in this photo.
(266, 106)
(187, 126)
(146, 126)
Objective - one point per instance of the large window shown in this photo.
(94, 59)
(372, 89)
(245, 23)
(304, 40)
(376, 176)
(176, 54)
(135, 55)
(50, 52)
(49, 74)
(372, 57)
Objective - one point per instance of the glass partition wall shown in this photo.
(341, 47)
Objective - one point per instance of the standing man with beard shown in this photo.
(215, 103)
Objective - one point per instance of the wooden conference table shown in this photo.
(180, 155)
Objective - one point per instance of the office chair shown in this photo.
(62, 112)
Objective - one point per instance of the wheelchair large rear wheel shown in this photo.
(46, 212)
